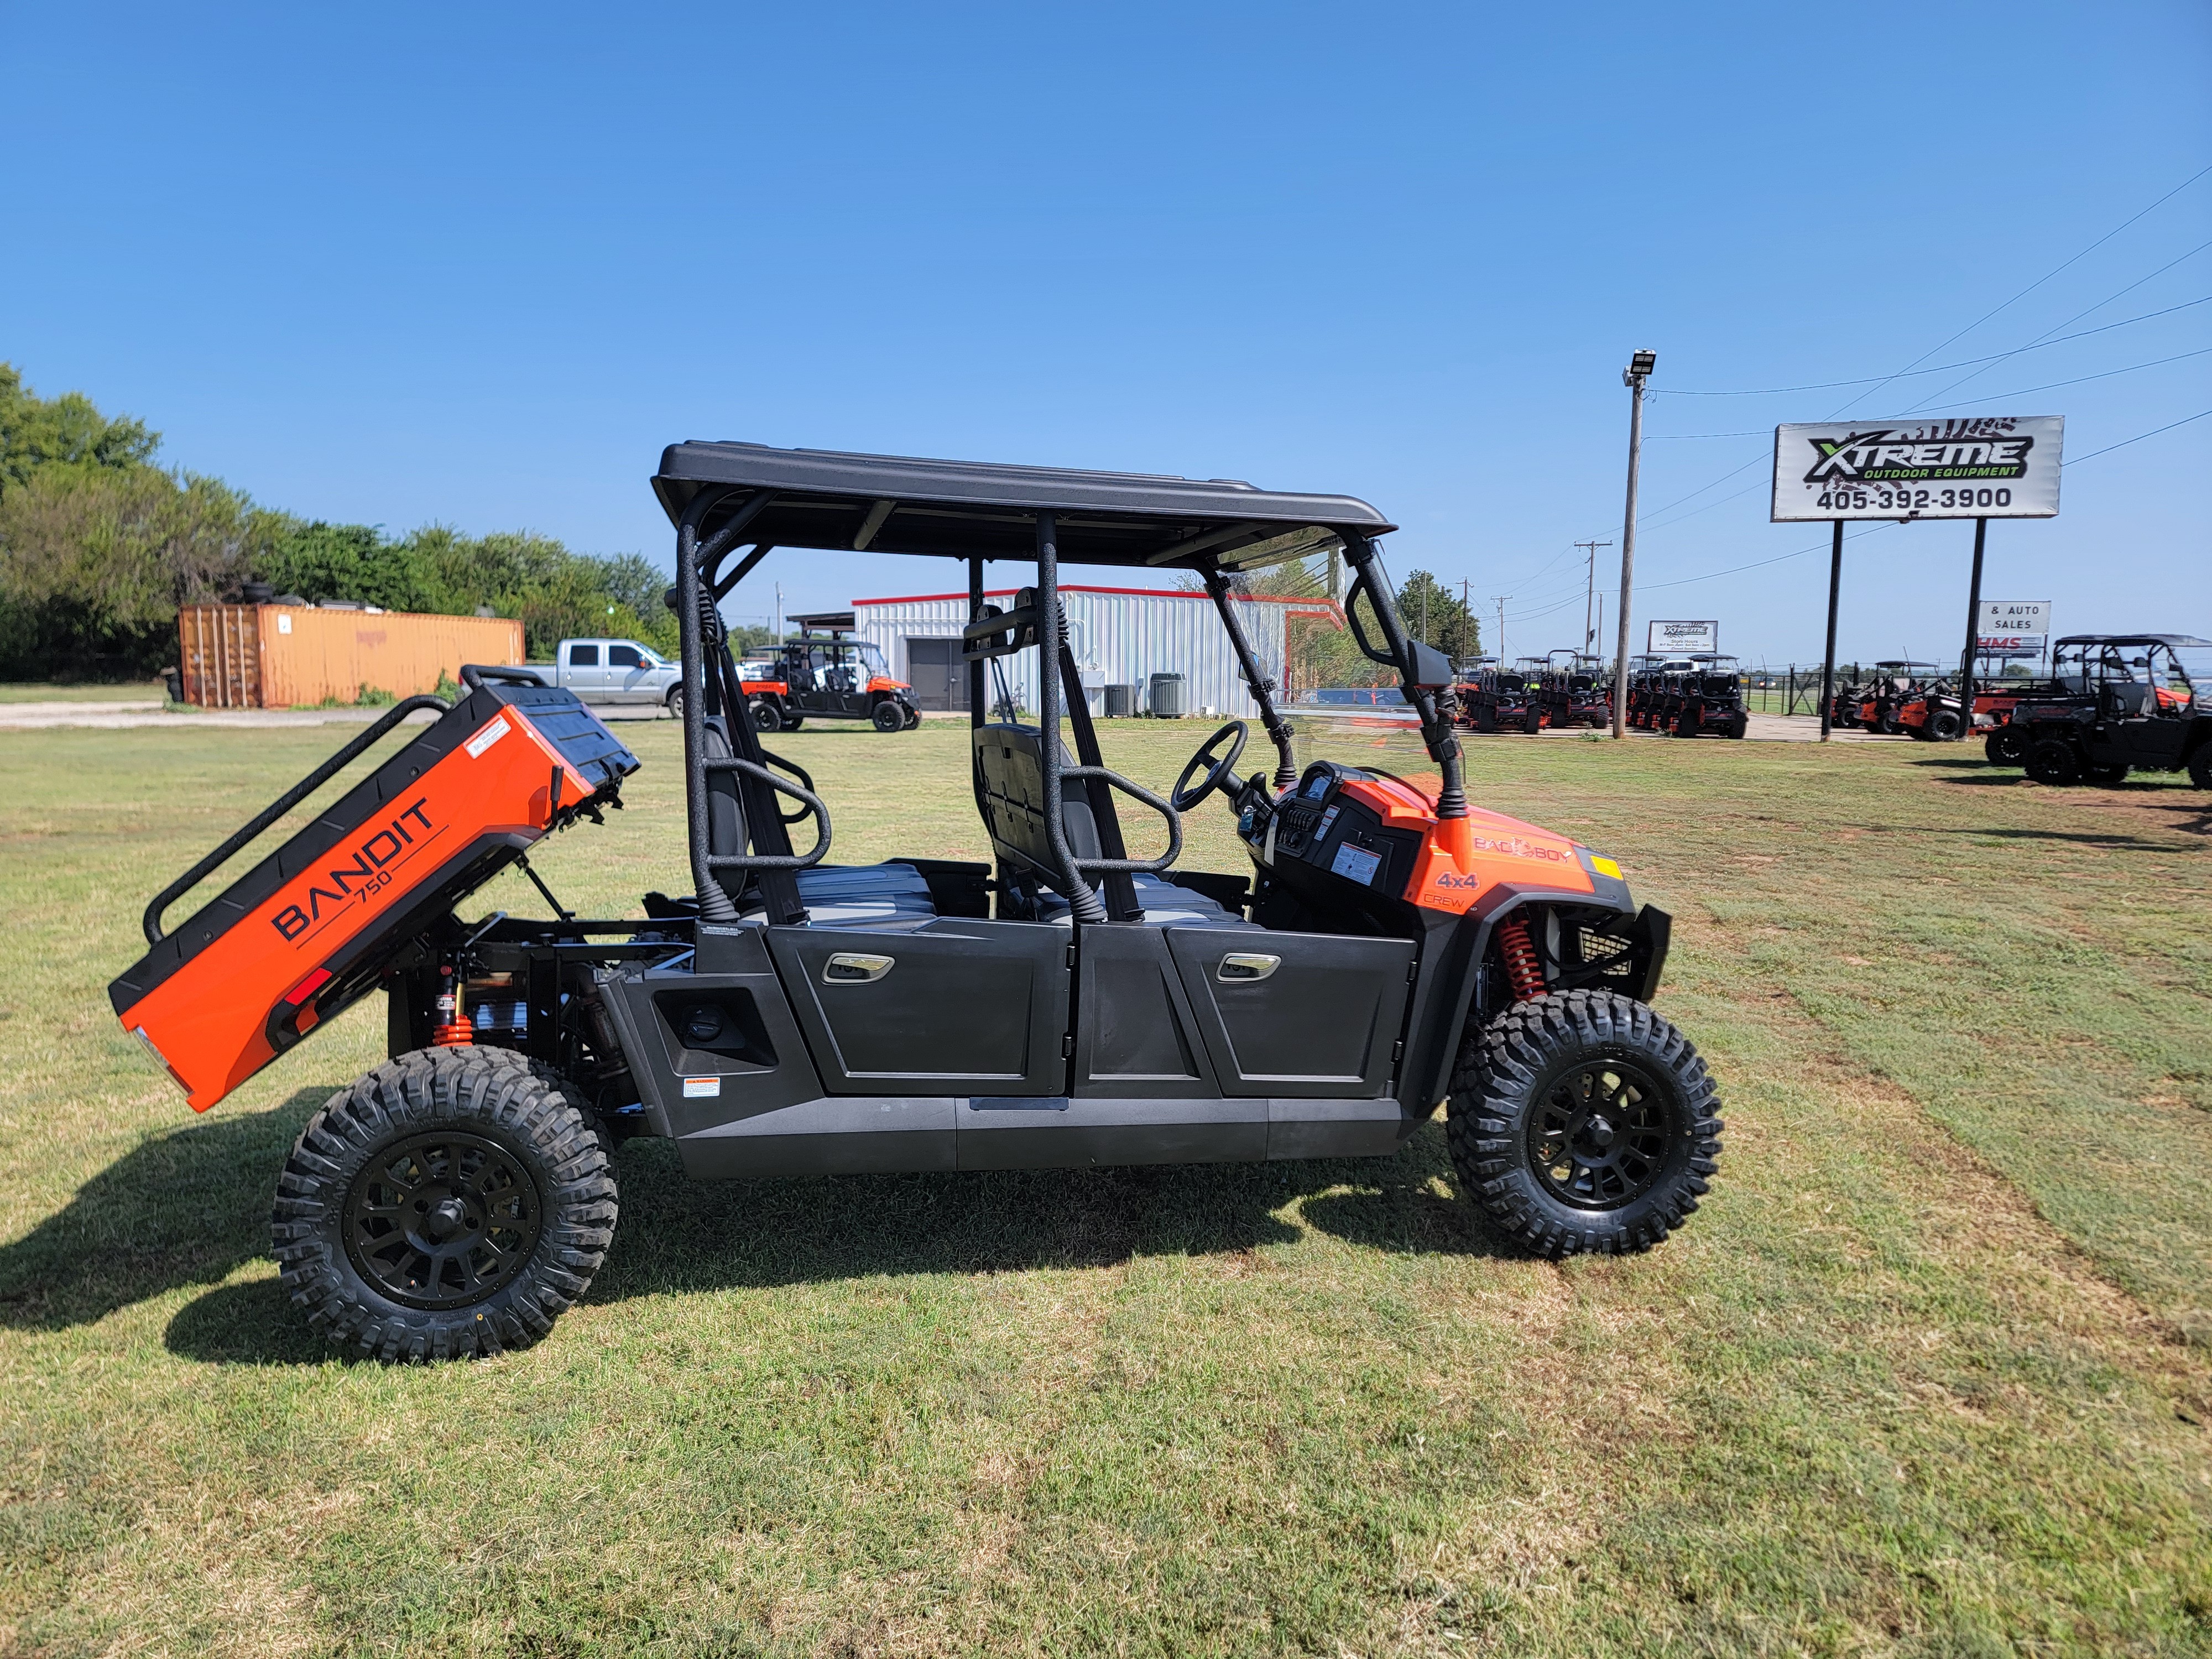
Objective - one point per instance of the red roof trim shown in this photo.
(1078, 588)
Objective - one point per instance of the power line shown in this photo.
(1994, 396)
(2037, 282)
(1993, 357)
(2043, 338)
(2137, 439)
(1684, 581)
(1961, 334)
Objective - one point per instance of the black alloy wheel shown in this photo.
(1942, 726)
(441, 1219)
(764, 716)
(1582, 1121)
(2055, 762)
(1599, 1136)
(888, 716)
(451, 1204)
(2006, 746)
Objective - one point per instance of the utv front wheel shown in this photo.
(2005, 746)
(451, 1204)
(888, 717)
(2056, 764)
(1582, 1121)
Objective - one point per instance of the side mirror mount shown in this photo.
(1433, 670)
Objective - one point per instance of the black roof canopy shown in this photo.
(2170, 640)
(900, 504)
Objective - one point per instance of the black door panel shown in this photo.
(1136, 1034)
(1295, 1014)
(954, 1007)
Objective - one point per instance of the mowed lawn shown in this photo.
(1930, 1373)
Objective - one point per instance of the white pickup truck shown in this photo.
(613, 671)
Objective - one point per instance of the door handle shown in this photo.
(856, 968)
(1246, 967)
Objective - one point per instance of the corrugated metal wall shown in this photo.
(280, 656)
(1120, 638)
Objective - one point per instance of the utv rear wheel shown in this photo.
(1942, 726)
(1582, 1121)
(2054, 762)
(451, 1204)
(2006, 747)
(2200, 768)
(888, 716)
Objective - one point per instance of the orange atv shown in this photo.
(1074, 1002)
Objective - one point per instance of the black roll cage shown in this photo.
(709, 566)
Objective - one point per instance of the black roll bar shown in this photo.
(815, 810)
(1130, 866)
(284, 802)
(1287, 760)
(1082, 904)
(1436, 731)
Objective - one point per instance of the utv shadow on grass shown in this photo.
(187, 1207)
(192, 1207)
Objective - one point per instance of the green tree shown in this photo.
(1434, 615)
(37, 434)
(94, 561)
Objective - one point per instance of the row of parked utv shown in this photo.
(1683, 696)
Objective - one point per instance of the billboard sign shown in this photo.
(1990, 466)
(1679, 639)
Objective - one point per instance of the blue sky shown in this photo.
(404, 264)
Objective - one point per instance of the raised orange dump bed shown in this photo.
(312, 927)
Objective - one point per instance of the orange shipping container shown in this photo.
(281, 656)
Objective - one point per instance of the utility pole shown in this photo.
(1500, 651)
(1463, 610)
(1590, 597)
(1633, 377)
(779, 616)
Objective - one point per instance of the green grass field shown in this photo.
(1931, 1373)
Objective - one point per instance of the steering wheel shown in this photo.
(1188, 794)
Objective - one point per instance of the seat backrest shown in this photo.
(1010, 763)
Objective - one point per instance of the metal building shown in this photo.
(1120, 635)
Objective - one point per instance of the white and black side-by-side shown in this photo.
(1071, 1003)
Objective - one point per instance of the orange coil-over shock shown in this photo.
(453, 1030)
(1523, 965)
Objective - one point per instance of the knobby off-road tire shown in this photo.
(1581, 1122)
(2056, 764)
(2200, 768)
(888, 717)
(452, 1203)
(766, 720)
(2006, 747)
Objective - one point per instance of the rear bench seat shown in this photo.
(882, 895)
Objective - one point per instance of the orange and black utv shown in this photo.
(1071, 1003)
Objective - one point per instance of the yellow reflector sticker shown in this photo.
(1605, 866)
